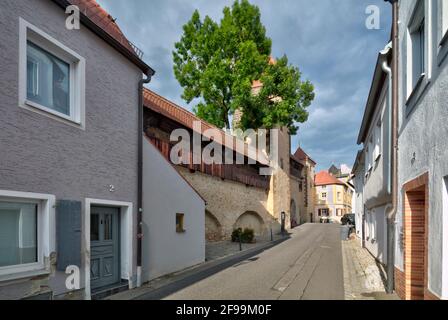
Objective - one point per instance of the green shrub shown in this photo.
(235, 234)
(247, 235)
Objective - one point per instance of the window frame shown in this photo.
(415, 85)
(373, 226)
(46, 233)
(378, 140)
(181, 227)
(443, 21)
(30, 33)
(443, 33)
(415, 46)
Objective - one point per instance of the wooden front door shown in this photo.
(415, 243)
(104, 247)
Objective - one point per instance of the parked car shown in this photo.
(348, 219)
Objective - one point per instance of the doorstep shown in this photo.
(104, 292)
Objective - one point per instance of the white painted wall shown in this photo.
(166, 193)
(376, 233)
(358, 205)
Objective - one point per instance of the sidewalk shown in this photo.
(364, 277)
(158, 288)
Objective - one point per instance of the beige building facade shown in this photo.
(333, 198)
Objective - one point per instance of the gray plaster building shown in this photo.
(422, 216)
(373, 176)
(69, 140)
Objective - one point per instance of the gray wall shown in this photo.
(375, 195)
(165, 194)
(359, 198)
(375, 188)
(424, 131)
(39, 154)
(376, 233)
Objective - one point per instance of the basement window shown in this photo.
(180, 222)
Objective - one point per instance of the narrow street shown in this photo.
(306, 266)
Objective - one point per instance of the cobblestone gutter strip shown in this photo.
(363, 278)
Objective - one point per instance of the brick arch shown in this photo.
(252, 220)
(213, 228)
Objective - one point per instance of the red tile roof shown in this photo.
(302, 156)
(323, 178)
(101, 23)
(92, 10)
(174, 112)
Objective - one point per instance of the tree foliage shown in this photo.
(218, 62)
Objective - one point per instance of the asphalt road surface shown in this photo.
(307, 266)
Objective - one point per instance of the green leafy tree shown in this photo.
(218, 62)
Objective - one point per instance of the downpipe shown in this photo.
(393, 154)
(390, 210)
(141, 83)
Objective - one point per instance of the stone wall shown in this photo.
(307, 203)
(280, 189)
(297, 196)
(231, 205)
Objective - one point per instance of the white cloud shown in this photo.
(326, 39)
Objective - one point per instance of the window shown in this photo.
(366, 156)
(444, 11)
(416, 48)
(48, 80)
(18, 233)
(339, 196)
(377, 151)
(300, 186)
(26, 233)
(180, 223)
(324, 195)
(52, 76)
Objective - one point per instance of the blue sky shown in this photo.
(326, 39)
